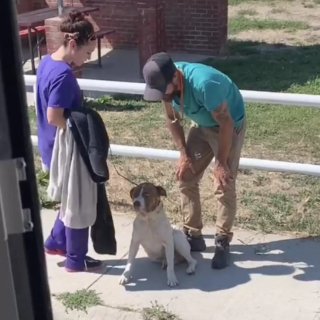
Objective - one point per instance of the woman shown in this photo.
(57, 89)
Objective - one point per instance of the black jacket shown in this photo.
(91, 137)
(92, 140)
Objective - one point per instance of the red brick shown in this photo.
(151, 29)
(181, 18)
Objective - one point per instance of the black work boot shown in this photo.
(197, 243)
(221, 257)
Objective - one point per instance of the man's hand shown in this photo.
(184, 164)
(221, 171)
(221, 175)
(173, 123)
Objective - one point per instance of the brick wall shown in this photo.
(38, 4)
(54, 37)
(198, 26)
(121, 15)
(23, 5)
(151, 29)
(29, 5)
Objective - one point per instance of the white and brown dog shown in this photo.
(152, 230)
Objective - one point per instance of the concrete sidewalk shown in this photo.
(272, 277)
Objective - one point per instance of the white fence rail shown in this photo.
(245, 163)
(162, 154)
(290, 99)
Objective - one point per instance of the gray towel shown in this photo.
(70, 183)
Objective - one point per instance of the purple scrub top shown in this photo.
(57, 87)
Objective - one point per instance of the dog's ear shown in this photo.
(132, 192)
(161, 192)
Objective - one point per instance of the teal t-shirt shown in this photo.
(205, 88)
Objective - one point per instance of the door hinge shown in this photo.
(16, 220)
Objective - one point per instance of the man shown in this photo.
(215, 106)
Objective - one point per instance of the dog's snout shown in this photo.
(137, 204)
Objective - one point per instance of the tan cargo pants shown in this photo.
(202, 145)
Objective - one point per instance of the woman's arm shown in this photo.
(56, 117)
(60, 98)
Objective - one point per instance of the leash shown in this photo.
(135, 184)
(119, 174)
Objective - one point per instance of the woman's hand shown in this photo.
(221, 175)
(183, 164)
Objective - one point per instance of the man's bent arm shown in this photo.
(173, 124)
(223, 118)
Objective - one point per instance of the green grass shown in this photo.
(295, 70)
(158, 312)
(247, 12)
(278, 10)
(240, 23)
(43, 181)
(283, 133)
(292, 209)
(42, 178)
(84, 299)
(309, 5)
(32, 120)
(80, 300)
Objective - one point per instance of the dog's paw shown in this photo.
(172, 280)
(124, 279)
(192, 267)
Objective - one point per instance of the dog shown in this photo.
(153, 231)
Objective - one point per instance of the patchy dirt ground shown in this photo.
(289, 11)
(298, 38)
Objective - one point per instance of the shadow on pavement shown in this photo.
(278, 258)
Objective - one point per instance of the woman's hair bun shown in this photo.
(77, 27)
(76, 16)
